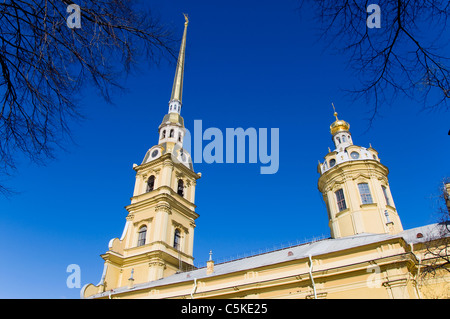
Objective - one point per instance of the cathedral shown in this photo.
(369, 254)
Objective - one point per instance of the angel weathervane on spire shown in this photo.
(186, 17)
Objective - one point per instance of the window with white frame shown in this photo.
(177, 239)
(142, 234)
(364, 191)
(340, 200)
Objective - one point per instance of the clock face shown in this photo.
(155, 153)
(354, 155)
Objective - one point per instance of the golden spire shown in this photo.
(177, 89)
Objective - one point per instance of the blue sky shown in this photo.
(248, 64)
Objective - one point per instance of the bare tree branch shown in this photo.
(437, 248)
(44, 65)
(399, 58)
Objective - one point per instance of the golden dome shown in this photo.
(339, 125)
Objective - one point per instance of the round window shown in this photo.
(332, 162)
(155, 153)
(354, 155)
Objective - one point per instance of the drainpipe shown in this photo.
(311, 276)
(418, 270)
(194, 289)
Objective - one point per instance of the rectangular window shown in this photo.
(177, 239)
(386, 196)
(364, 191)
(340, 200)
(141, 238)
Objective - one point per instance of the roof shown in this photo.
(293, 253)
(425, 233)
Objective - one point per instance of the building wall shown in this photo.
(385, 270)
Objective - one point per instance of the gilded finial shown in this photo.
(335, 113)
(186, 17)
(338, 125)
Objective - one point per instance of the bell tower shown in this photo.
(355, 187)
(158, 237)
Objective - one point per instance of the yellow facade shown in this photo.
(369, 266)
(369, 255)
(141, 256)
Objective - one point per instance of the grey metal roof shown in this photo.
(428, 232)
(292, 253)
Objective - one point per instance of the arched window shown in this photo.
(177, 239)
(180, 188)
(364, 191)
(141, 235)
(151, 183)
(343, 139)
(338, 139)
(179, 137)
(340, 199)
(163, 134)
(172, 132)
